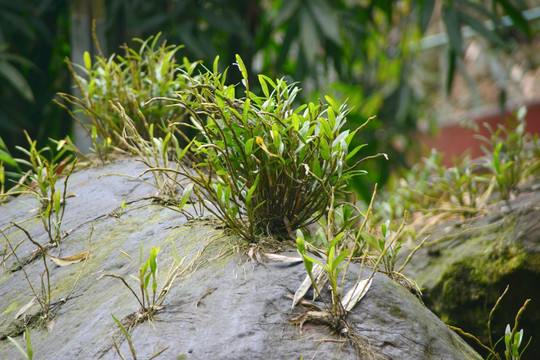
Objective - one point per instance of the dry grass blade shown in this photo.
(277, 258)
(306, 284)
(354, 295)
(25, 308)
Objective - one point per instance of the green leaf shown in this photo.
(17, 80)
(185, 196)
(337, 238)
(57, 201)
(220, 99)
(216, 65)
(330, 257)
(153, 259)
(309, 39)
(30, 350)
(126, 334)
(331, 118)
(355, 150)
(249, 146)
(451, 20)
(479, 27)
(451, 69)
(19, 347)
(181, 155)
(326, 19)
(426, 11)
(87, 61)
(8, 159)
(300, 244)
(247, 104)
(516, 16)
(342, 255)
(264, 86)
(307, 263)
(286, 12)
(332, 103)
(324, 149)
(312, 260)
(242, 67)
(496, 159)
(251, 191)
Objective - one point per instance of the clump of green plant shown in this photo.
(432, 191)
(130, 81)
(340, 241)
(157, 152)
(45, 169)
(148, 297)
(512, 338)
(513, 155)
(264, 166)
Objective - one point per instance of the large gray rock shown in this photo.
(472, 261)
(228, 306)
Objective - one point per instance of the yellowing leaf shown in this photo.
(70, 259)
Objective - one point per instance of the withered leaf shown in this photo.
(64, 261)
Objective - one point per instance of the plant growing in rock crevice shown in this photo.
(130, 81)
(42, 294)
(46, 168)
(513, 155)
(264, 166)
(339, 242)
(148, 297)
(432, 191)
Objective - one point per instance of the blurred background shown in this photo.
(430, 70)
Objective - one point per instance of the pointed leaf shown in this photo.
(185, 195)
(25, 308)
(356, 294)
(64, 261)
(306, 284)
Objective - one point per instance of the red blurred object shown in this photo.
(455, 140)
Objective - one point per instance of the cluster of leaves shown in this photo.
(512, 157)
(346, 236)
(148, 297)
(45, 167)
(263, 166)
(127, 81)
(363, 48)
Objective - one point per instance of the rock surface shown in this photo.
(227, 306)
(472, 261)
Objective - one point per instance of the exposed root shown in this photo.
(364, 350)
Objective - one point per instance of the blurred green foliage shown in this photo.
(34, 39)
(358, 50)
